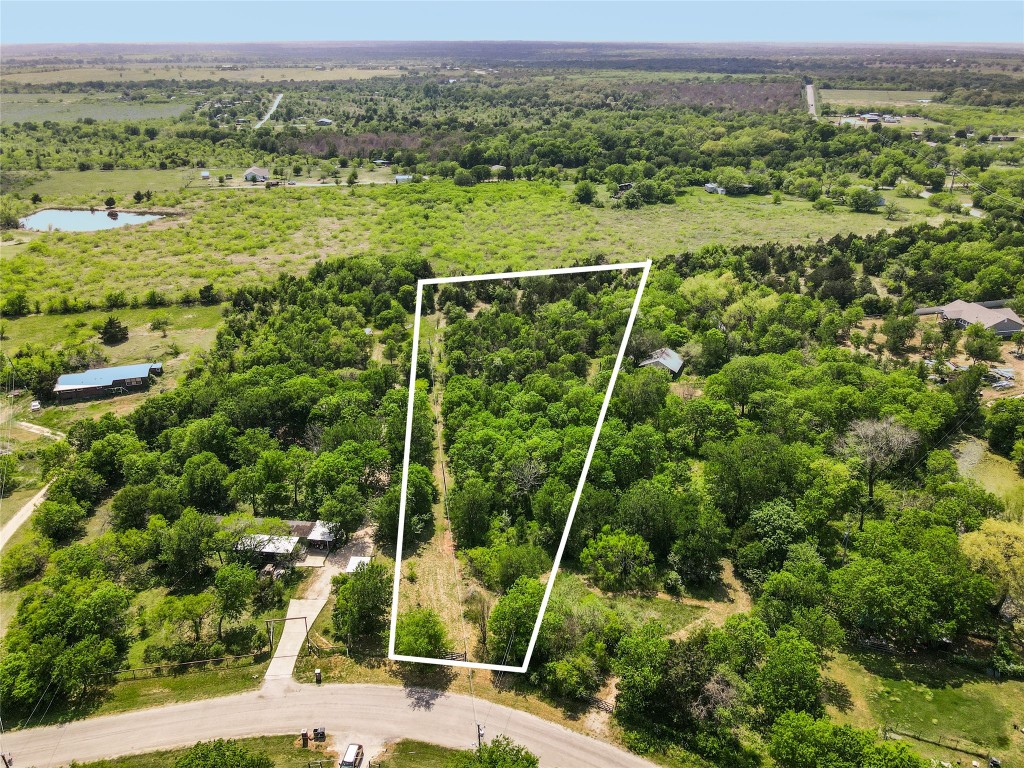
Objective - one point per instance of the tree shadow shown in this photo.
(424, 684)
(927, 669)
(837, 694)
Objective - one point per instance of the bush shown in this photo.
(22, 562)
(58, 520)
(464, 178)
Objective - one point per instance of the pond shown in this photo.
(83, 221)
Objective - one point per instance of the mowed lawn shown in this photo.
(233, 237)
(932, 699)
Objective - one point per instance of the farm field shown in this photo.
(144, 72)
(867, 97)
(233, 238)
(21, 107)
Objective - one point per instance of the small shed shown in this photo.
(403, 178)
(320, 536)
(666, 359)
(714, 189)
(382, 163)
(204, 175)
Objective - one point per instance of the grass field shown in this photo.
(867, 97)
(996, 474)
(930, 699)
(283, 750)
(68, 107)
(69, 186)
(672, 614)
(231, 237)
(143, 72)
(286, 752)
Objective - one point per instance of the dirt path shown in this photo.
(36, 429)
(735, 600)
(22, 516)
(439, 583)
(273, 108)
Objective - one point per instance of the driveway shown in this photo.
(21, 516)
(371, 715)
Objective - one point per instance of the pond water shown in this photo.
(83, 221)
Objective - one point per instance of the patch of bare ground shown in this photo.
(732, 598)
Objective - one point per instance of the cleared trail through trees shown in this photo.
(439, 582)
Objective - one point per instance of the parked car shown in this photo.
(353, 756)
(35, 405)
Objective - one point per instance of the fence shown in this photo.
(182, 666)
(955, 744)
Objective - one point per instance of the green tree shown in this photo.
(619, 562)
(789, 678)
(980, 343)
(512, 621)
(185, 546)
(898, 332)
(113, 331)
(204, 483)
(584, 192)
(501, 752)
(420, 632)
(469, 507)
(58, 520)
(863, 200)
(234, 586)
(363, 600)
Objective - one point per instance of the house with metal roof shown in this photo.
(101, 382)
(1002, 320)
(666, 359)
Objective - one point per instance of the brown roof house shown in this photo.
(1003, 320)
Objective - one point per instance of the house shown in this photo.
(257, 174)
(269, 548)
(872, 117)
(204, 175)
(1002, 320)
(714, 189)
(382, 163)
(324, 121)
(666, 359)
(99, 382)
(996, 137)
(403, 178)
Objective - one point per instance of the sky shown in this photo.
(120, 21)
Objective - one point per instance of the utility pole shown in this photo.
(479, 736)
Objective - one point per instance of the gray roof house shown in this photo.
(666, 359)
(97, 382)
(257, 174)
(1003, 320)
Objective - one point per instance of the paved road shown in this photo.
(369, 714)
(21, 516)
(811, 107)
(270, 111)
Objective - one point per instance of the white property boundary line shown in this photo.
(646, 267)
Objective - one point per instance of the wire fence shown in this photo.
(158, 670)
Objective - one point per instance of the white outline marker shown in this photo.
(646, 266)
